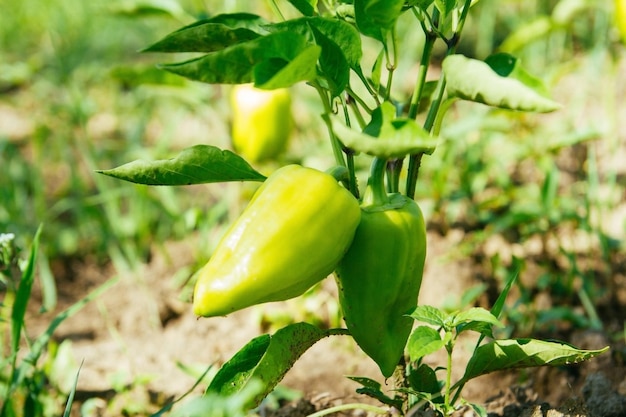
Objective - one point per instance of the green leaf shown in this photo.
(211, 35)
(236, 372)
(22, 295)
(476, 314)
(333, 65)
(375, 17)
(420, 4)
(384, 13)
(306, 7)
(424, 340)
(277, 60)
(496, 310)
(386, 136)
(142, 8)
(373, 389)
(423, 379)
(265, 358)
(339, 42)
(474, 80)
(523, 353)
(507, 65)
(430, 315)
(199, 164)
(342, 34)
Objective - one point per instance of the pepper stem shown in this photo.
(375, 193)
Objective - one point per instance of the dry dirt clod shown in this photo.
(601, 400)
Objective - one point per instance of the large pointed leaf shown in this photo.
(507, 65)
(277, 60)
(199, 164)
(343, 34)
(374, 18)
(333, 65)
(386, 136)
(475, 80)
(266, 359)
(211, 35)
(523, 353)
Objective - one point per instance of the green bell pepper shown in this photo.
(380, 276)
(294, 231)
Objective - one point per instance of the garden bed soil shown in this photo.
(139, 331)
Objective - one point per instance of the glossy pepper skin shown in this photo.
(262, 121)
(294, 231)
(380, 276)
(620, 18)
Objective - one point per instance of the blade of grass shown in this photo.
(18, 312)
(70, 398)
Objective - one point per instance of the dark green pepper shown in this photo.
(380, 276)
(296, 228)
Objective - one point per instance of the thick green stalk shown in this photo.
(375, 194)
(447, 388)
(421, 74)
(416, 159)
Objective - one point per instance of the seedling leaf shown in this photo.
(199, 164)
(423, 341)
(476, 315)
(523, 353)
(373, 389)
(430, 315)
(423, 379)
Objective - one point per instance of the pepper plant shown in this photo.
(303, 224)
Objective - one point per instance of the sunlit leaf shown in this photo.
(199, 164)
(429, 314)
(211, 35)
(386, 136)
(474, 80)
(524, 353)
(265, 358)
(277, 60)
(374, 18)
(423, 341)
(344, 35)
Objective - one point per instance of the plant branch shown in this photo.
(352, 406)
